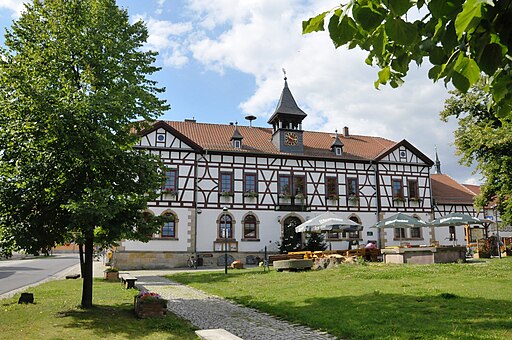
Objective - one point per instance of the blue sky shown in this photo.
(222, 60)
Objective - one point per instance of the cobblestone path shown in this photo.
(208, 312)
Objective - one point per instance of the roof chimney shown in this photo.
(345, 132)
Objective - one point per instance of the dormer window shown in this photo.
(337, 145)
(236, 139)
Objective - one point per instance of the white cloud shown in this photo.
(16, 6)
(167, 38)
(335, 87)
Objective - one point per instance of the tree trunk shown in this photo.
(87, 270)
(82, 261)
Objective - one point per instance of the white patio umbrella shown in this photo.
(400, 220)
(456, 219)
(328, 222)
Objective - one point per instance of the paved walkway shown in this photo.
(208, 312)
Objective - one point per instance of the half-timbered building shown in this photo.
(248, 187)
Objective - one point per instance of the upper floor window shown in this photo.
(250, 183)
(250, 227)
(299, 185)
(225, 226)
(168, 230)
(412, 188)
(171, 180)
(398, 191)
(331, 187)
(352, 187)
(226, 182)
(284, 185)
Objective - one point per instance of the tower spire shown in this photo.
(437, 163)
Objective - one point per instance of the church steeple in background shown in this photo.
(437, 164)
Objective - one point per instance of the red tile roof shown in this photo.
(474, 188)
(446, 190)
(216, 137)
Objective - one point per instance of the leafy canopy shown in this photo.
(73, 78)
(484, 139)
(461, 38)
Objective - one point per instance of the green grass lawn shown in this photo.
(56, 315)
(378, 301)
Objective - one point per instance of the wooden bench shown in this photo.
(280, 257)
(127, 280)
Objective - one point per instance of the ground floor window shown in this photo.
(250, 230)
(225, 226)
(168, 230)
(416, 232)
(400, 233)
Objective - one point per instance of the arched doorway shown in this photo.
(291, 241)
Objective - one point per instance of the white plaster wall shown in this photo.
(179, 244)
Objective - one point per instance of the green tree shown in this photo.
(315, 242)
(73, 79)
(484, 139)
(461, 38)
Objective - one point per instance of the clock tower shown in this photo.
(287, 123)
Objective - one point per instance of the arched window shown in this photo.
(225, 226)
(250, 224)
(354, 234)
(168, 230)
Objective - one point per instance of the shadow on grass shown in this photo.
(119, 320)
(378, 316)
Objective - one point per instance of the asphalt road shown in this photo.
(16, 274)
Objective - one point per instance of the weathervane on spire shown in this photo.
(284, 72)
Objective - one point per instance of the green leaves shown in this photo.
(341, 30)
(443, 9)
(461, 38)
(369, 16)
(74, 81)
(469, 18)
(314, 24)
(399, 7)
(401, 32)
(467, 73)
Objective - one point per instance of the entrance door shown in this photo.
(292, 241)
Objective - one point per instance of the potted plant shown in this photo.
(170, 192)
(333, 197)
(226, 194)
(399, 199)
(111, 274)
(300, 197)
(250, 194)
(353, 199)
(147, 304)
(415, 199)
(285, 195)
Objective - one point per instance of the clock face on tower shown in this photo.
(291, 138)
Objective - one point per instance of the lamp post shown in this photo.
(225, 210)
